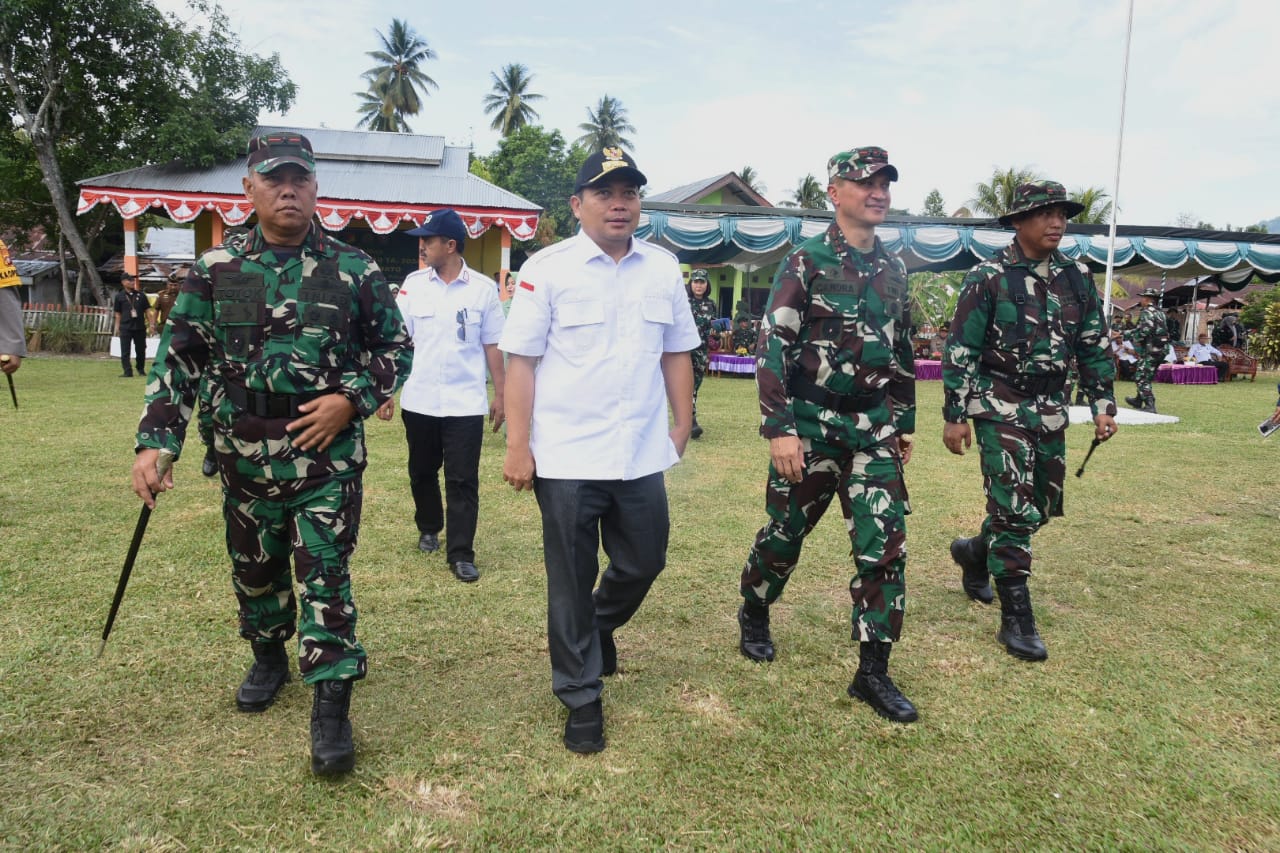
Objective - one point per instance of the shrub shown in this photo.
(67, 333)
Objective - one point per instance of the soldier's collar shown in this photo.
(314, 242)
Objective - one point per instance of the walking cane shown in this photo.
(1092, 447)
(163, 463)
(4, 359)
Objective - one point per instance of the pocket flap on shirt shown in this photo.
(581, 313)
(657, 311)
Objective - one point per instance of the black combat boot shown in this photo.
(696, 432)
(1017, 623)
(332, 752)
(584, 730)
(269, 673)
(1133, 402)
(873, 685)
(971, 555)
(755, 641)
(209, 466)
(1149, 405)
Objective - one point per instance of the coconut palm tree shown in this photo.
(751, 178)
(376, 112)
(605, 125)
(397, 77)
(809, 194)
(996, 197)
(510, 98)
(1097, 210)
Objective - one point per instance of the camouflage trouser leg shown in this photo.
(700, 361)
(874, 499)
(1143, 372)
(1022, 473)
(319, 525)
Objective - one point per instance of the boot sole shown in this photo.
(857, 694)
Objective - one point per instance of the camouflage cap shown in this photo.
(1033, 196)
(699, 275)
(269, 151)
(859, 164)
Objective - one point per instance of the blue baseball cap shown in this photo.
(445, 223)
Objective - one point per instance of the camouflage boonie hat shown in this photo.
(860, 164)
(699, 275)
(269, 151)
(1033, 196)
(1151, 292)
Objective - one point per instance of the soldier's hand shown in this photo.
(322, 419)
(10, 363)
(957, 437)
(1104, 426)
(518, 468)
(386, 410)
(147, 482)
(905, 443)
(787, 454)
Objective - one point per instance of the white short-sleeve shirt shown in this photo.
(600, 329)
(450, 323)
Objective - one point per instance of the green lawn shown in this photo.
(1153, 725)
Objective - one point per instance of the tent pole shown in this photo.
(1115, 186)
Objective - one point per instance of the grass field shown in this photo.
(1153, 725)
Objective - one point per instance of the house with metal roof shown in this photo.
(372, 187)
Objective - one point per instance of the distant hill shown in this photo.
(1273, 225)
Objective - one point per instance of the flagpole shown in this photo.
(1115, 186)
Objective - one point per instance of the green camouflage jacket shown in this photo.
(987, 337)
(704, 314)
(839, 318)
(1151, 336)
(316, 321)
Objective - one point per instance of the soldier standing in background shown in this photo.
(836, 378)
(301, 340)
(1151, 341)
(1021, 317)
(704, 315)
(130, 309)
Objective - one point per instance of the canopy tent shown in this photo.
(757, 236)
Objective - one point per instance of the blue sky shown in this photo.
(951, 89)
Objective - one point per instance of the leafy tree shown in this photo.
(933, 204)
(1097, 210)
(1266, 343)
(933, 296)
(995, 197)
(397, 79)
(808, 194)
(96, 86)
(509, 101)
(538, 165)
(376, 112)
(751, 178)
(1256, 305)
(604, 127)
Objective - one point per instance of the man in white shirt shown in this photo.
(1203, 352)
(455, 319)
(598, 343)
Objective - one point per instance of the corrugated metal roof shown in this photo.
(687, 193)
(331, 144)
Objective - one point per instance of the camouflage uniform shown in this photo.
(837, 329)
(744, 338)
(1151, 344)
(1005, 366)
(271, 328)
(704, 314)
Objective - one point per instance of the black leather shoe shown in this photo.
(1018, 632)
(608, 653)
(126, 375)
(971, 556)
(696, 432)
(209, 466)
(465, 571)
(1134, 402)
(269, 673)
(428, 543)
(332, 751)
(754, 639)
(873, 685)
(584, 730)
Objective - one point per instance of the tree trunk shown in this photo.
(62, 268)
(51, 173)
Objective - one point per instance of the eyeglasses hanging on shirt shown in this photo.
(462, 324)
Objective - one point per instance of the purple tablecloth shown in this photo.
(1187, 374)
(926, 369)
(724, 363)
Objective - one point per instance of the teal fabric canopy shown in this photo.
(757, 236)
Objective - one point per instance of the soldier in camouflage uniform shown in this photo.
(836, 379)
(300, 339)
(1020, 318)
(704, 314)
(744, 338)
(1151, 343)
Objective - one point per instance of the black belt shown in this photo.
(806, 389)
(264, 404)
(1031, 383)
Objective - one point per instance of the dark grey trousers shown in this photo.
(629, 518)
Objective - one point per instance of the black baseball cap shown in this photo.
(446, 223)
(608, 163)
